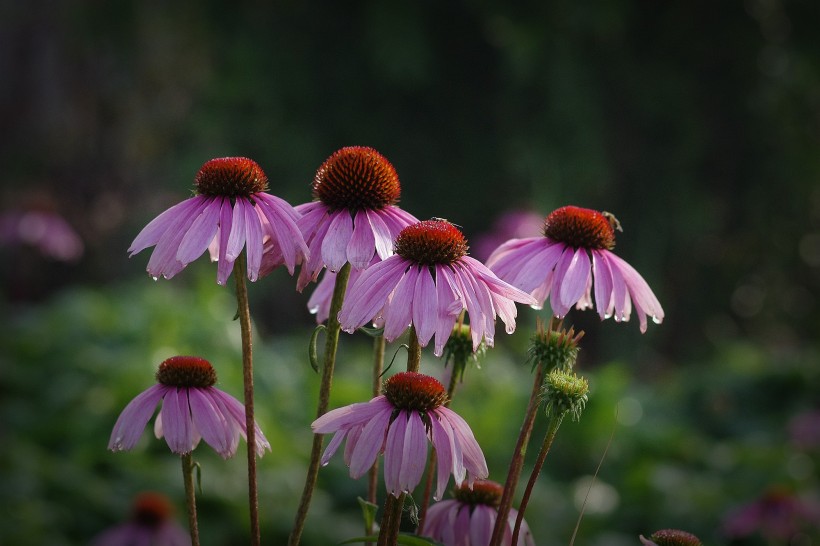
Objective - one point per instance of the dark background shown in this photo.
(696, 123)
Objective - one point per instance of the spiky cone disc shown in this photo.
(565, 393)
(581, 228)
(671, 537)
(554, 347)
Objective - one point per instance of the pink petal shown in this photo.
(425, 306)
(236, 240)
(223, 266)
(559, 273)
(575, 280)
(253, 239)
(414, 454)
(200, 235)
(449, 306)
(156, 228)
(163, 260)
(369, 443)
(603, 282)
(176, 421)
(351, 415)
(334, 246)
(131, 422)
(448, 453)
(482, 522)
(362, 243)
(366, 297)
(473, 456)
(209, 421)
(333, 445)
(398, 311)
(393, 449)
(282, 219)
(383, 238)
(237, 410)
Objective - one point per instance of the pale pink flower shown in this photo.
(575, 249)
(354, 216)
(230, 212)
(400, 423)
(192, 409)
(47, 231)
(427, 283)
(469, 518)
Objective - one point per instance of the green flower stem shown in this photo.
(244, 315)
(517, 461)
(413, 351)
(431, 466)
(331, 344)
(190, 496)
(391, 520)
(552, 430)
(373, 473)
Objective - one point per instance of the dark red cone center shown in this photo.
(675, 537)
(357, 177)
(431, 242)
(483, 492)
(186, 371)
(152, 509)
(414, 391)
(580, 228)
(230, 177)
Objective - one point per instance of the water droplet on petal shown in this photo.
(313, 310)
(155, 278)
(657, 320)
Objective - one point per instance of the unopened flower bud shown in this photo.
(565, 393)
(553, 346)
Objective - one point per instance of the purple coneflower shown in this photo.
(354, 216)
(399, 423)
(151, 524)
(469, 518)
(229, 212)
(558, 266)
(192, 409)
(428, 282)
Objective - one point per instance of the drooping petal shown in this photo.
(642, 296)
(559, 273)
(131, 422)
(399, 309)
(333, 445)
(334, 246)
(362, 243)
(210, 422)
(368, 294)
(474, 459)
(575, 280)
(156, 228)
(448, 453)
(414, 454)
(449, 306)
(347, 416)
(382, 236)
(163, 261)
(176, 421)
(224, 266)
(603, 282)
(369, 443)
(237, 410)
(253, 239)
(393, 449)
(282, 219)
(201, 234)
(425, 306)
(482, 522)
(236, 240)
(353, 435)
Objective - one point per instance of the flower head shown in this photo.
(354, 216)
(778, 516)
(564, 393)
(671, 537)
(45, 230)
(400, 423)
(553, 346)
(151, 523)
(577, 246)
(469, 518)
(192, 409)
(427, 283)
(229, 212)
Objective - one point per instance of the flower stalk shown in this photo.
(391, 520)
(331, 346)
(517, 461)
(373, 473)
(190, 495)
(244, 316)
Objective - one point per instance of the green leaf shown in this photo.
(313, 352)
(369, 512)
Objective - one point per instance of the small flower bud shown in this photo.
(565, 393)
(555, 347)
(458, 350)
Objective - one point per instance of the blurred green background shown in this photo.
(697, 124)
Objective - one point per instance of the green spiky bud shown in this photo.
(553, 346)
(565, 393)
(458, 351)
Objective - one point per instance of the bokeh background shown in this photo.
(696, 123)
